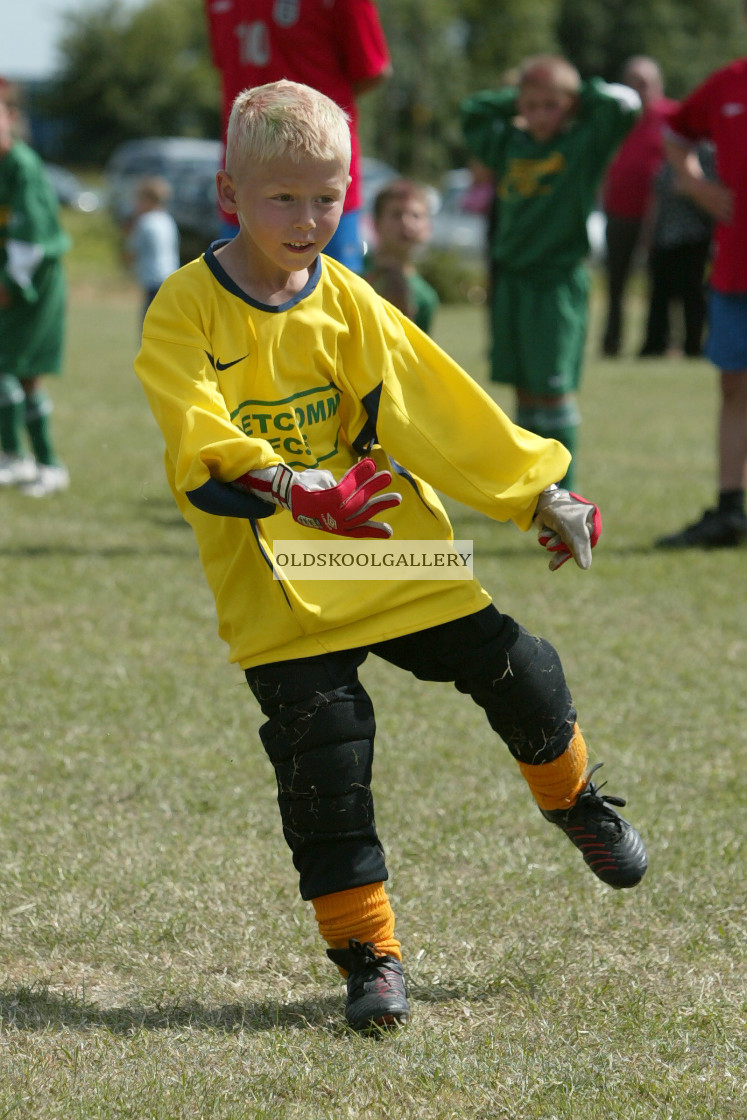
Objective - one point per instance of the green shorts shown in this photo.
(32, 335)
(539, 330)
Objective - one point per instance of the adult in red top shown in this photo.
(628, 187)
(335, 46)
(717, 111)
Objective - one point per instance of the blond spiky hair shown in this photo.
(550, 70)
(285, 119)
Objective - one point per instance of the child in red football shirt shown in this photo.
(717, 111)
(337, 48)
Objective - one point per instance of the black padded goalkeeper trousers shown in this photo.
(320, 729)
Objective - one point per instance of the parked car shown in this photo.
(596, 227)
(70, 191)
(375, 173)
(189, 165)
(457, 225)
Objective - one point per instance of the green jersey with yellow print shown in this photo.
(546, 189)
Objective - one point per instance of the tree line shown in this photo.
(128, 73)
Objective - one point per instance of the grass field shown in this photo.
(156, 961)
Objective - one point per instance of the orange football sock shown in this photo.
(364, 913)
(557, 784)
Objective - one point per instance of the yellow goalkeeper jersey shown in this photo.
(333, 375)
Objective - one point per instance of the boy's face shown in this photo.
(645, 79)
(7, 123)
(287, 211)
(403, 226)
(544, 109)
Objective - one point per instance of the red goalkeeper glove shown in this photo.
(315, 499)
(568, 525)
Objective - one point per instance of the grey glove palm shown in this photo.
(568, 526)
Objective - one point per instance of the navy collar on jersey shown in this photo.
(226, 282)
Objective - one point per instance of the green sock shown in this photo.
(12, 413)
(555, 423)
(567, 434)
(38, 424)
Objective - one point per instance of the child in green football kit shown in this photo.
(548, 141)
(289, 394)
(32, 310)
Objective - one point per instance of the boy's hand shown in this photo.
(716, 199)
(313, 498)
(568, 526)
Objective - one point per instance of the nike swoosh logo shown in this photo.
(220, 366)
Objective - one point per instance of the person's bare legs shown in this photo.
(726, 525)
(732, 431)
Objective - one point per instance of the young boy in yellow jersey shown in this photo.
(289, 394)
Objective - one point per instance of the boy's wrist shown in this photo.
(272, 483)
(315, 499)
(568, 526)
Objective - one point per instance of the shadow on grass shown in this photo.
(614, 551)
(37, 1009)
(167, 521)
(162, 511)
(106, 552)
(503, 541)
(43, 551)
